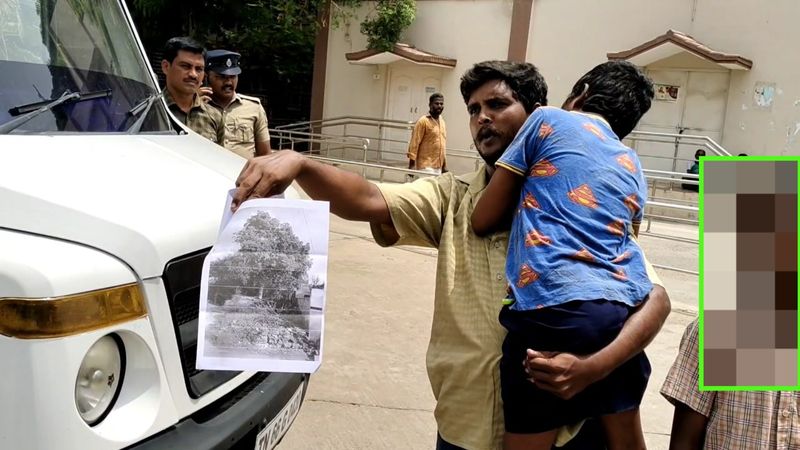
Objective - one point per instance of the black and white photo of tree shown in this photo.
(260, 295)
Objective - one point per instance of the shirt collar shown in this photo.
(236, 99)
(168, 97)
(197, 102)
(476, 180)
(594, 116)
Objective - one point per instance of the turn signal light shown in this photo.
(41, 318)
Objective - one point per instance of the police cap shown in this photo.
(223, 62)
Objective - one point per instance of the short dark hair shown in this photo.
(617, 90)
(176, 44)
(524, 80)
(435, 95)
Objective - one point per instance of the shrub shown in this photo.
(391, 18)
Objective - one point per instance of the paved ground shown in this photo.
(372, 391)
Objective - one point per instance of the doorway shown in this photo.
(410, 87)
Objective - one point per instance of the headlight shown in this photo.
(100, 378)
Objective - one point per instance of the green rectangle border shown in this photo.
(701, 321)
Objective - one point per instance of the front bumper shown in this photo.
(234, 419)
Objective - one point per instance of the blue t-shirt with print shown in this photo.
(583, 188)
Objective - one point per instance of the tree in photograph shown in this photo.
(316, 282)
(271, 264)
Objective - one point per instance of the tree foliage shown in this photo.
(272, 31)
(278, 34)
(391, 18)
(275, 37)
(271, 264)
(343, 11)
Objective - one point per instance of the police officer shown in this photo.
(184, 67)
(246, 132)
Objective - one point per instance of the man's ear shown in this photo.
(164, 66)
(577, 102)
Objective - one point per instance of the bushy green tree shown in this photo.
(275, 37)
(278, 34)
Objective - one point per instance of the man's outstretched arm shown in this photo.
(565, 374)
(351, 196)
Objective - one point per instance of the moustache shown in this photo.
(487, 132)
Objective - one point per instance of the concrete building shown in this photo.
(724, 68)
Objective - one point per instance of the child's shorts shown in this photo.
(577, 327)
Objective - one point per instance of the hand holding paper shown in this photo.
(262, 293)
(267, 176)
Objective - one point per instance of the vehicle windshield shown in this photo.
(52, 47)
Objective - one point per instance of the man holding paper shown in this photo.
(465, 343)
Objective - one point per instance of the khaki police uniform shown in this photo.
(201, 118)
(244, 118)
(245, 124)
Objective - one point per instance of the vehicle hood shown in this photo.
(145, 199)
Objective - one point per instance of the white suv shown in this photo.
(107, 209)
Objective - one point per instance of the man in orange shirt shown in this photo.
(426, 151)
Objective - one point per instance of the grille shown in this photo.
(230, 399)
(182, 281)
(188, 311)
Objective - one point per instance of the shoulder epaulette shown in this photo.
(250, 98)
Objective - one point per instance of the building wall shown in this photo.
(767, 34)
(467, 30)
(568, 37)
(351, 90)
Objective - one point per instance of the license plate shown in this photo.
(274, 431)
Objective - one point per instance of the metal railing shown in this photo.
(346, 120)
(365, 166)
(320, 127)
(374, 157)
(674, 141)
(376, 148)
(671, 138)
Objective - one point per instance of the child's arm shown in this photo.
(565, 374)
(688, 429)
(496, 206)
(495, 209)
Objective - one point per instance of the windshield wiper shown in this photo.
(141, 109)
(29, 111)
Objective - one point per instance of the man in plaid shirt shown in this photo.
(726, 420)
